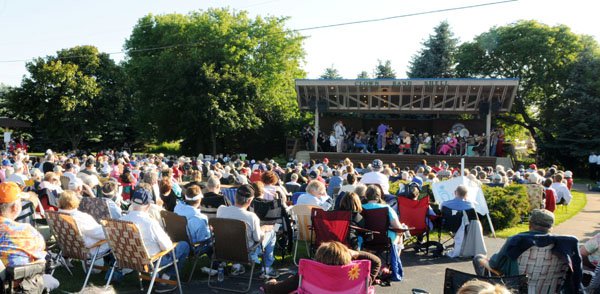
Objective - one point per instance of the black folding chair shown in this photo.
(454, 279)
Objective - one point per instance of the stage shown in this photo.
(404, 160)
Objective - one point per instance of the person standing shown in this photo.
(381, 132)
(340, 134)
(593, 163)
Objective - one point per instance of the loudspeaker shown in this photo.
(484, 108)
(496, 106)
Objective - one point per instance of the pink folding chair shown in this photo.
(351, 279)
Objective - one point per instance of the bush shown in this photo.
(507, 206)
(168, 148)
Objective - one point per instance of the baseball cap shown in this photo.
(245, 191)
(9, 192)
(568, 174)
(533, 166)
(377, 164)
(541, 217)
(313, 175)
(6, 162)
(325, 160)
(141, 197)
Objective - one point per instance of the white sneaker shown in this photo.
(210, 272)
(238, 269)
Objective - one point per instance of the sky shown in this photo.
(30, 29)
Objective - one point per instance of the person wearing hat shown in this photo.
(109, 193)
(197, 223)
(375, 176)
(254, 232)
(20, 243)
(154, 236)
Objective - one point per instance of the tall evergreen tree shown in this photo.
(363, 75)
(437, 58)
(331, 73)
(384, 70)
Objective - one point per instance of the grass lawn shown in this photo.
(577, 203)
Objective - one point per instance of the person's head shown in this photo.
(377, 165)
(259, 189)
(68, 200)
(373, 193)
(351, 179)
(165, 185)
(269, 178)
(461, 192)
(37, 175)
(351, 202)
(316, 188)
(109, 189)
(76, 185)
(10, 201)
(213, 184)
(244, 196)
(193, 196)
(141, 198)
(482, 287)
(558, 178)
(541, 220)
(547, 183)
(360, 190)
(333, 253)
(151, 177)
(294, 177)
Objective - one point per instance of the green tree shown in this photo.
(77, 94)
(363, 75)
(437, 58)
(540, 56)
(331, 73)
(384, 70)
(218, 75)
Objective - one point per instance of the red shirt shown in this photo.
(176, 172)
(256, 176)
(550, 200)
(569, 183)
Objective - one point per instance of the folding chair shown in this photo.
(11, 277)
(176, 228)
(230, 245)
(413, 213)
(48, 199)
(454, 279)
(210, 212)
(377, 220)
(295, 196)
(127, 245)
(272, 212)
(316, 277)
(27, 213)
(545, 270)
(301, 215)
(96, 207)
(330, 226)
(229, 194)
(71, 244)
(594, 285)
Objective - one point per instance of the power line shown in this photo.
(290, 31)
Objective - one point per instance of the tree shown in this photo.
(363, 75)
(331, 73)
(77, 94)
(219, 75)
(437, 58)
(384, 70)
(540, 56)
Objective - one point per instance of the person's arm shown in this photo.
(160, 236)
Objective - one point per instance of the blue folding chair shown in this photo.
(229, 194)
(295, 197)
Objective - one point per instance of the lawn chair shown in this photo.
(71, 244)
(413, 213)
(96, 207)
(301, 215)
(594, 286)
(27, 214)
(295, 196)
(271, 212)
(229, 194)
(11, 277)
(316, 277)
(545, 270)
(377, 220)
(330, 226)
(127, 245)
(176, 228)
(454, 279)
(230, 245)
(210, 212)
(48, 199)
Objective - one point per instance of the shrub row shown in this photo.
(508, 206)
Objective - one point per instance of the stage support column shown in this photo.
(488, 129)
(316, 137)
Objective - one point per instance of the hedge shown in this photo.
(508, 206)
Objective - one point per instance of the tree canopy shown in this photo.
(330, 73)
(384, 70)
(221, 73)
(437, 58)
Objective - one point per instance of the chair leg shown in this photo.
(196, 257)
(295, 252)
(90, 268)
(176, 271)
(154, 274)
(110, 275)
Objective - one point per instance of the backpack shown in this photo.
(407, 189)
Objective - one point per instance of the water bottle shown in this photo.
(221, 274)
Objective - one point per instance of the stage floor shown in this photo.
(401, 160)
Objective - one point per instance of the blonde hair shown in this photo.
(351, 202)
(333, 253)
(68, 200)
(482, 287)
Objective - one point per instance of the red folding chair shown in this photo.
(330, 226)
(377, 220)
(352, 278)
(413, 213)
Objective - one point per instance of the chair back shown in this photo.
(545, 270)
(413, 213)
(454, 279)
(268, 211)
(68, 236)
(352, 278)
(451, 219)
(330, 226)
(229, 194)
(295, 196)
(96, 207)
(27, 213)
(49, 199)
(175, 226)
(338, 200)
(377, 220)
(292, 188)
(301, 214)
(210, 212)
(126, 244)
(127, 189)
(229, 240)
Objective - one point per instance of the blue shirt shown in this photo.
(308, 199)
(458, 204)
(391, 214)
(334, 182)
(197, 223)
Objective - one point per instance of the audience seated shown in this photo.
(197, 223)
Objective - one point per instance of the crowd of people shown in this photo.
(137, 187)
(384, 139)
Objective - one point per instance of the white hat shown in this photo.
(75, 183)
(568, 174)
(195, 197)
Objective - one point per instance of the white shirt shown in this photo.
(90, 229)
(377, 178)
(309, 199)
(17, 178)
(253, 231)
(593, 158)
(562, 192)
(153, 235)
(340, 130)
(69, 175)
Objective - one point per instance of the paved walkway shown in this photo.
(586, 223)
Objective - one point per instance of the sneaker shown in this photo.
(126, 271)
(269, 273)
(164, 288)
(237, 269)
(209, 271)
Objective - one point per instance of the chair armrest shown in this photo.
(163, 253)
(97, 244)
(27, 270)
(363, 230)
(402, 230)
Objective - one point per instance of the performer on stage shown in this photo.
(381, 136)
(340, 134)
